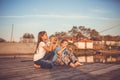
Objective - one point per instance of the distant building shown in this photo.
(84, 44)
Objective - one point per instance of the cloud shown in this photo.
(58, 17)
(46, 16)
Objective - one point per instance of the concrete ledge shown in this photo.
(13, 48)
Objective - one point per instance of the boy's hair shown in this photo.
(62, 41)
(52, 36)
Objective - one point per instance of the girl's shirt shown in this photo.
(40, 53)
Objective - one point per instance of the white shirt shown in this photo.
(40, 53)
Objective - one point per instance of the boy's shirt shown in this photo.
(55, 51)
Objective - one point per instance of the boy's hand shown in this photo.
(70, 49)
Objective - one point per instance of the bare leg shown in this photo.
(72, 65)
(78, 64)
(37, 66)
(71, 57)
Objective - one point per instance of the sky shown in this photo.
(33, 16)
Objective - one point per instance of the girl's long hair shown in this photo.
(40, 34)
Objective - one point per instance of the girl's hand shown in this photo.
(52, 39)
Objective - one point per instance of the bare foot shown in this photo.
(37, 66)
(72, 65)
(78, 64)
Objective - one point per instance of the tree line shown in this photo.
(81, 32)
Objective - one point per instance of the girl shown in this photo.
(65, 56)
(40, 59)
